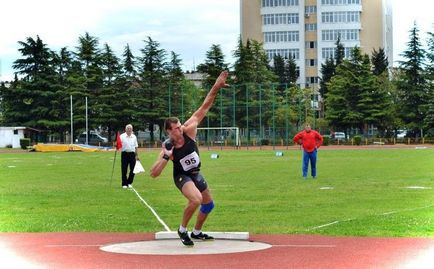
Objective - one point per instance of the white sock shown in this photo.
(196, 232)
(182, 229)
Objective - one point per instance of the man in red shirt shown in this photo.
(310, 140)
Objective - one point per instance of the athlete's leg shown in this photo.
(132, 164)
(194, 197)
(201, 216)
(313, 156)
(305, 163)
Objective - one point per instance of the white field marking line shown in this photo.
(61, 246)
(306, 246)
(153, 211)
(328, 224)
(381, 214)
(410, 209)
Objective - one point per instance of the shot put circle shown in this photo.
(175, 247)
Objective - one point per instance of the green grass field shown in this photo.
(362, 192)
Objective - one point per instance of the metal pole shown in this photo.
(182, 102)
(170, 103)
(221, 122)
(233, 117)
(87, 138)
(273, 107)
(72, 127)
(287, 115)
(247, 115)
(261, 134)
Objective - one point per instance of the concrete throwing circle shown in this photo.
(175, 247)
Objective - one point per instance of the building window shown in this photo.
(309, 9)
(281, 36)
(285, 53)
(311, 62)
(344, 34)
(310, 27)
(340, 17)
(340, 2)
(15, 132)
(310, 44)
(312, 80)
(281, 18)
(328, 53)
(279, 3)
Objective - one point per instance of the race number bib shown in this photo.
(190, 161)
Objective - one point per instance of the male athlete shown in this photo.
(182, 149)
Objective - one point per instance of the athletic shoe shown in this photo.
(185, 239)
(202, 236)
(130, 186)
(124, 187)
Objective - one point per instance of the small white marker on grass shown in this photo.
(326, 188)
(417, 187)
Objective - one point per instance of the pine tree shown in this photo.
(129, 64)
(213, 66)
(37, 88)
(89, 56)
(279, 69)
(109, 108)
(379, 61)
(152, 99)
(339, 51)
(291, 71)
(62, 62)
(328, 70)
(429, 117)
(413, 87)
(127, 90)
(177, 98)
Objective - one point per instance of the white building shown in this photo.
(307, 30)
(10, 136)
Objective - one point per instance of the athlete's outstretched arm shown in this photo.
(190, 126)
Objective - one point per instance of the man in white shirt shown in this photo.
(129, 156)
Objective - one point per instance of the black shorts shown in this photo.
(197, 179)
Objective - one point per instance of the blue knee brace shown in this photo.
(206, 208)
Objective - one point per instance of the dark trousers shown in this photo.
(128, 159)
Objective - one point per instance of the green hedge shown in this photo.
(357, 140)
(326, 140)
(24, 143)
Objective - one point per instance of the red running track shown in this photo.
(81, 250)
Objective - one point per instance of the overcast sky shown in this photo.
(187, 27)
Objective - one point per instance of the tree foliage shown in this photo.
(412, 86)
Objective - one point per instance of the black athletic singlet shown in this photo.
(186, 159)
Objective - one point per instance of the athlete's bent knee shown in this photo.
(206, 208)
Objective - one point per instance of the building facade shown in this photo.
(307, 30)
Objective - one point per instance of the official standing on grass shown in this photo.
(182, 149)
(129, 156)
(310, 140)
